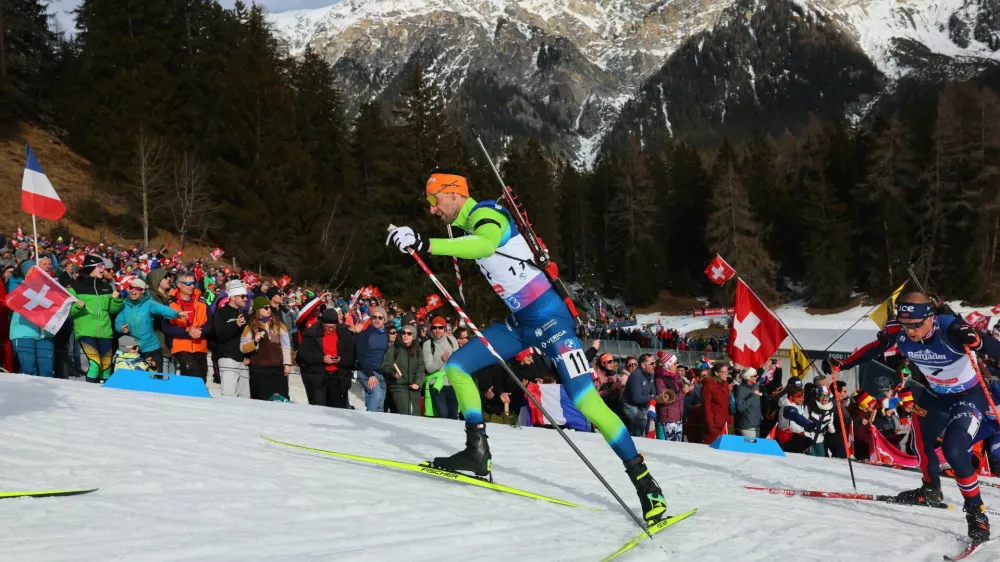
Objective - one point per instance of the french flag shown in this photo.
(38, 197)
(651, 420)
(557, 403)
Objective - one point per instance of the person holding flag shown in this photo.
(92, 323)
(952, 404)
(539, 318)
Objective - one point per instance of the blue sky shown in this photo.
(62, 8)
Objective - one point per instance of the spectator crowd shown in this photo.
(148, 310)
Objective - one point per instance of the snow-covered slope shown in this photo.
(190, 479)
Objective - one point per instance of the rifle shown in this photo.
(537, 246)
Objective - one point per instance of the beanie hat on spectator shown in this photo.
(793, 383)
(795, 391)
(665, 359)
(139, 283)
(747, 373)
(236, 288)
(413, 329)
(438, 321)
(862, 398)
(905, 395)
(330, 316)
(127, 341)
(378, 310)
(260, 302)
(91, 261)
(273, 292)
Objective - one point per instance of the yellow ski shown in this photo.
(46, 493)
(448, 475)
(653, 529)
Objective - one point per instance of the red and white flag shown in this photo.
(651, 420)
(41, 300)
(996, 310)
(719, 271)
(38, 197)
(756, 333)
(433, 302)
(285, 281)
(978, 321)
(217, 253)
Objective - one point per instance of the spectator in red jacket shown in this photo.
(715, 399)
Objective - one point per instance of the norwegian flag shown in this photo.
(651, 420)
(433, 302)
(41, 300)
(978, 321)
(217, 253)
(285, 281)
(719, 271)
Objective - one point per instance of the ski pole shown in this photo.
(530, 396)
(458, 273)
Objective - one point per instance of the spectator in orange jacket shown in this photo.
(189, 345)
(715, 400)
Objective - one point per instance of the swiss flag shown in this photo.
(368, 292)
(756, 333)
(251, 279)
(217, 253)
(41, 300)
(719, 271)
(996, 309)
(978, 321)
(433, 302)
(285, 281)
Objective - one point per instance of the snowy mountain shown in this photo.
(568, 67)
(191, 479)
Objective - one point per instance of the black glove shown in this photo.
(967, 336)
(831, 366)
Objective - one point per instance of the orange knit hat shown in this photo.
(443, 182)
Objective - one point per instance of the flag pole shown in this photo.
(843, 428)
(34, 228)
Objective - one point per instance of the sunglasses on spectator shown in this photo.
(405, 333)
(633, 364)
(437, 327)
(392, 332)
(378, 317)
(188, 283)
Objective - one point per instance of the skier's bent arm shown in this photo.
(986, 345)
(487, 230)
(882, 343)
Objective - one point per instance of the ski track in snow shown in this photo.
(190, 479)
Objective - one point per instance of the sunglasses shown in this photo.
(408, 334)
(267, 307)
(631, 364)
(432, 198)
(377, 317)
(910, 327)
(437, 327)
(392, 333)
(188, 283)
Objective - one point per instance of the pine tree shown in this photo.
(893, 175)
(826, 246)
(734, 232)
(531, 176)
(688, 217)
(27, 57)
(574, 223)
(420, 114)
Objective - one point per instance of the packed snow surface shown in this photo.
(191, 479)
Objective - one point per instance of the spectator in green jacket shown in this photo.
(92, 322)
(404, 363)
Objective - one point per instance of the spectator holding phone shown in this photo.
(326, 357)
(229, 322)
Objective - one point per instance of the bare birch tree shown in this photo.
(190, 202)
(147, 176)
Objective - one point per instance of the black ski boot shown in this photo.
(475, 458)
(928, 494)
(654, 506)
(979, 524)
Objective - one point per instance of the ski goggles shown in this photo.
(914, 313)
